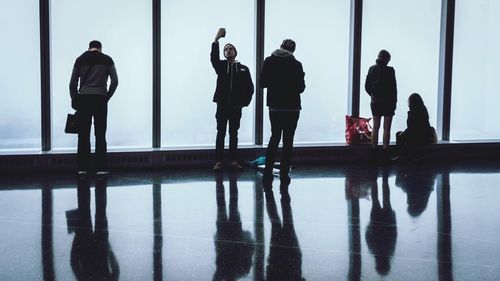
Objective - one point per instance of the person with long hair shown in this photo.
(380, 84)
(419, 131)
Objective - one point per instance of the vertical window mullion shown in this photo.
(45, 74)
(445, 68)
(355, 57)
(259, 93)
(156, 73)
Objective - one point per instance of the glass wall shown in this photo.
(475, 80)
(188, 79)
(20, 76)
(322, 37)
(410, 31)
(125, 30)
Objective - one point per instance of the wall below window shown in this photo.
(204, 158)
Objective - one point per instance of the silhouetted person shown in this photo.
(381, 232)
(380, 84)
(285, 256)
(91, 255)
(90, 99)
(419, 131)
(418, 186)
(234, 91)
(234, 247)
(283, 77)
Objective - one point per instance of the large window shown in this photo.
(475, 84)
(188, 79)
(20, 76)
(321, 31)
(410, 31)
(125, 30)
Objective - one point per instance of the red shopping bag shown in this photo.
(357, 130)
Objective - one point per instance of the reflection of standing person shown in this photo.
(234, 90)
(234, 247)
(380, 84)
(285, 256)
(91, 255)
(381, 232)
(283, 77)
(92, 69)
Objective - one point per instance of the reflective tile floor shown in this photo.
(407, 222)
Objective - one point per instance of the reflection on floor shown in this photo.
(407, 222)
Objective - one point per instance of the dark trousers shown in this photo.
(227, 114)
(96, 107)
(281, 123)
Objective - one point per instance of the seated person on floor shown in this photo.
(419, 131)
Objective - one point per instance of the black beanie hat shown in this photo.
(384, 56)
(289, 45)
(235, 51)
(95, 44)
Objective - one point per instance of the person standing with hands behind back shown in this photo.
(380, 84)
(283, 76)
(234, 91)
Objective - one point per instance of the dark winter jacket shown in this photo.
(234, 83)
(92, 69)
(419, 130)
(418, 120)
(380, 84)
(283, 77)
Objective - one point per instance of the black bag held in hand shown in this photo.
(71, 123)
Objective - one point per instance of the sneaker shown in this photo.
(101, 173)
(82, 172)
(235, 165)
(217, 166)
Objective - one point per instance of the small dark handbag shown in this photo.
(71, 123)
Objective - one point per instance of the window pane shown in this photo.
(475, 97)
(188, 79)
(322, 37)
(20, 72)
(124, 28)
(400, 28)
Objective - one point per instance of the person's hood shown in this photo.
(235, 65)
(280, 53)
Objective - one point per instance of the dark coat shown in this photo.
(380, 84)
(234, 83)
(283, 77)
(419, 130)
(418, 120)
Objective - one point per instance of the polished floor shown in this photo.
(344, 222)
